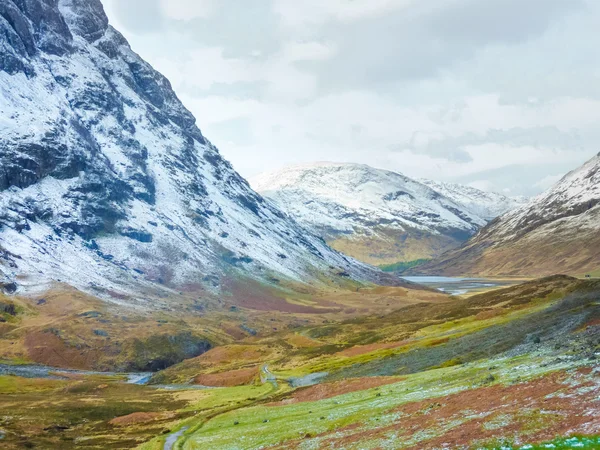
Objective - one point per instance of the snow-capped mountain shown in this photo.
(484, 204)
(378, 216)
(106, 182)
(557, 232)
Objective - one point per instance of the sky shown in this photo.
(502, 95)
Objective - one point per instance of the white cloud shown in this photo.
(188, 9)
(294, 51)
(285, 81)
(295, 14)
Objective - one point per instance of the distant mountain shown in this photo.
(557, 232)
(484, 204)
(378, 216)
(108, 185)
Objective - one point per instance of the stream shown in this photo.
(172, 438)
(39, 371)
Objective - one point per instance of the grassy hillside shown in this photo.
(402, 266)
(556, 247)
(503, 369)
(385, 246)
(63, 327)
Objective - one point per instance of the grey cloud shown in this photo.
(497, 21)
(239, 26)
(436, 148)
(519, 179)
(240, 90)
(237, 131)
(423, 41)
(454, 148)
(547, 137)
(139, 16)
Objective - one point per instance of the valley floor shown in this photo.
(514, 368)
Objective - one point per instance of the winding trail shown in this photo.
(266, 376)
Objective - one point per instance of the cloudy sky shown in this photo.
(499, 94)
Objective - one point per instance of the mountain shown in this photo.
(108, 185)
(378, 216)
(557, 232)
(484, 204)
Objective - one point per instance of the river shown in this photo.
(39, 371)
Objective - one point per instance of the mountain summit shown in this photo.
(106, 182)
(379, 216)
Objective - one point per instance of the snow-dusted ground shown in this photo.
(573, 201)
(484, 204)
(355, 198)
(556, 232)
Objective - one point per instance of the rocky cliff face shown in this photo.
(106, 182)
(557, 232)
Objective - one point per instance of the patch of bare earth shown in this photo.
(138, 418)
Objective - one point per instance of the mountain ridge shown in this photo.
(374, 215)
(106, 182)
(557, 232)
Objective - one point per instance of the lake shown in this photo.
(460, 286)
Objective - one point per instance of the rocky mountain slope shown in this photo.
(379, 216)
(557, 232)
(108, 185)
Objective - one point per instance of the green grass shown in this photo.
(403, 266)
(258, 426)
(574, 442)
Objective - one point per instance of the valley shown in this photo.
(361, 382)
(152, 298)
(378, 216)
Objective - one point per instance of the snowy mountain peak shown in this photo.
(575, 193)
(395, 217)
(107, 183)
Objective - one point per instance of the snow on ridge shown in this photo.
(102, 168)
(357, 198)
(487, 205)
(568, 201)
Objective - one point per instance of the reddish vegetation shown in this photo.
(329, 390)
(559, 404)
(228, 354)
(136, 418)
(489, 314)
(47, 348)
(228, 379)
(258, 298)
(300, 341)
(235, 332)
(592, 323)
(363, 349)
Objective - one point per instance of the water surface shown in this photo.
(460, 286)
